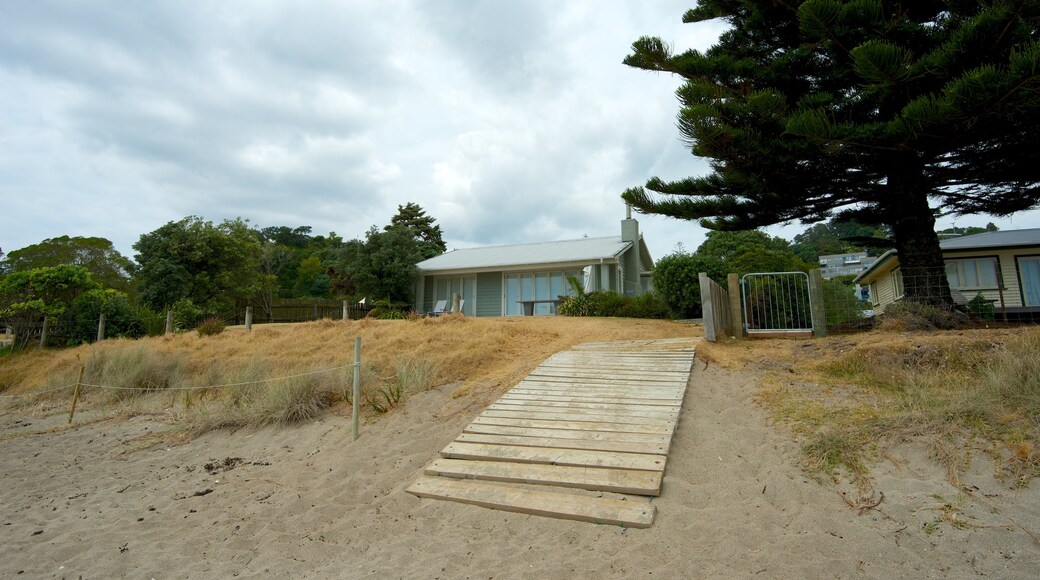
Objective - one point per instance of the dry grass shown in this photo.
(481, 357)
(849, 397)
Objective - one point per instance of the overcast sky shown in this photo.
(509, 122)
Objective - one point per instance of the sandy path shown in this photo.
(734, 504)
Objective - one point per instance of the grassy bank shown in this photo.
(849, 398)
(176, 374)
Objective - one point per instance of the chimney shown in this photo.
(629, 226)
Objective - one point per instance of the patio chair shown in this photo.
(438, 308)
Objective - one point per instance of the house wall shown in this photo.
(885, 289)
(489, 294)
(1008, 273)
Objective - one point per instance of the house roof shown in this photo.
(999, 239)
(585, 251)
(983, 241)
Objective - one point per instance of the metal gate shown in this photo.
(776, 302)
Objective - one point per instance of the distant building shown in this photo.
(851, 264)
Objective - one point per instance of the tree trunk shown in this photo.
(913, 225)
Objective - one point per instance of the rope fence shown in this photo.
(356, 366)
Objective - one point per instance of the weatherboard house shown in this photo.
(1002, 266)
(530, 279)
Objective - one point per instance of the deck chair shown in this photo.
(438, 308)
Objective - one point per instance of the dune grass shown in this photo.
(849, 398)
(172, 374)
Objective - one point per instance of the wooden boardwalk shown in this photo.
(599, 418)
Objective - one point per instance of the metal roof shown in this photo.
(987, 240)
(584, 251)
(999, 239)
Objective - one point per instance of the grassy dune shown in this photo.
(399, 357)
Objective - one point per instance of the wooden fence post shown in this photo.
(249, 318)
(345, 315)
(43, 333)
(816, 303)
(736, 313)
(355, 411)
(707, 308)
(101, 327)
(75, 394)
(456, 304)
(169, 321)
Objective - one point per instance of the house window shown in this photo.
(874, 295)
(537, 286)
(897, 281)
(973, 274)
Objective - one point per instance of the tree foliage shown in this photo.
(212, 265)
(839, 237)
(427, 233)
(383, 266)
(106, 265)
(29, 295)
(863, 109)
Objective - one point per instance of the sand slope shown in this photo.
(305, 502)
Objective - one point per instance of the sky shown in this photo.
(509, 122)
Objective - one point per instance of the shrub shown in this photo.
(912, 315)
(210, 327)
(607, 303)
(152, 323)
(649, 305)
(676, 281)
(392, 314)
(981, 307)
(186, 315)
(82, 317)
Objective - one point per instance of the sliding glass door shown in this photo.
(542, 288)
(465, 286)
(1029, 270)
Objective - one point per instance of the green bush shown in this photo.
(186, 315)
(607, 303)
(152, 323)
(677, 283)
(981, 307)
(210, 326)
(82, 316)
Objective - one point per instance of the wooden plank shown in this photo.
(611, 480)
(606, 408)
(597, 510)
(575, 425)
(575, 457)
(631, 402)
(602, 387)
(635, 398)
(620, 378)
(656, 369)
(557, 442)
(541, 432)
(579, 417)
(630, 393)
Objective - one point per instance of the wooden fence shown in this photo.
(716, 307)
(302, 312)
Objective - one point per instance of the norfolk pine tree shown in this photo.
(861, 109)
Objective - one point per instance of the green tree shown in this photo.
(106, 265)
(383, 266)
(866, 109)
(676, 281)
(213, 266)
(970, 230)
(413, 218)
(27, 296)
(838, 237)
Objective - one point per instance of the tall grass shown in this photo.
(952, 390)
(129, 372)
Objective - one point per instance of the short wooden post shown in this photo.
(315, 311)
(43, 333)
(816, 303)
(169, 321)
(101, 327)
(7, 333)
(249, 318)
(346, 315)
(75, 394)
(707, 308)
(736, 313)
(355, 411)
(456, 303)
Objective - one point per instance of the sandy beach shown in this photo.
(103, 500)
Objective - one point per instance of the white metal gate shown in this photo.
(776, 302)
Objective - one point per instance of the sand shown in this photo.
(100, 500)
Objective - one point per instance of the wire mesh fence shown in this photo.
(963, 293)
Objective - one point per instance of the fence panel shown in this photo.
(777, 302)
(715, 306)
